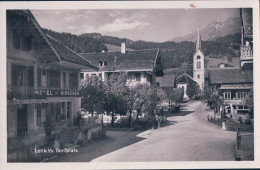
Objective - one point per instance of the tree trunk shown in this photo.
(113, 119)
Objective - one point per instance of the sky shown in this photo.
(156, 25)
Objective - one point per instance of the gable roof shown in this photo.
(62, 52)
(184, 78)
(117, 61)
(167, 80)
(230, 76)
(67, 54)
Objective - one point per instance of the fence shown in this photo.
(215, 120)
(244, 149)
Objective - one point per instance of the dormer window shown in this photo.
(101, 63)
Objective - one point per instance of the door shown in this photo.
(69, 114)
(22, 121)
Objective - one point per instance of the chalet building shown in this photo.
(140, 65)
(43, 78)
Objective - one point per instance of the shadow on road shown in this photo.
(171, 122)
(115, 140)
(183, 113)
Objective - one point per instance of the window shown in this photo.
(198, 76)
(17, 75)
(198, 57)
(81, 76)
(241, 95)
(100, 63)
(64, 80)
(30, 76)
(38, 109)
(138, 76)
(227, 94)
(39, 72)
(198, 64)
(74, 80)
(16, 39)
(53, 78)
(27, 43)
(130, 76)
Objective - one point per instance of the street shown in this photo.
(189, 137)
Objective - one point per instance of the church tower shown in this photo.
(198, 62)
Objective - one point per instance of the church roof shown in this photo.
(198, 42)
(230, 76)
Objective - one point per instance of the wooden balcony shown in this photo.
(20, 92)
(246, 52)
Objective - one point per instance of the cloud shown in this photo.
(122, 24)
(120, 21)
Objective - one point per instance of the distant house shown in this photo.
(182, 82)
(140, 65)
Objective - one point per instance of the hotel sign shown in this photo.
(56, 93)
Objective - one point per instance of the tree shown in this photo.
(92, 92)
(143, 100)
(206, 92)
(193, 89)
(116, 95)
(216, 101)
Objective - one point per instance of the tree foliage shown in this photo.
(174, 95)
(92, 92)
(193, 89)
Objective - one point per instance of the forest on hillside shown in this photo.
(173, 54)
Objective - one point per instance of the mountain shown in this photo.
(219, 28)
(173, 54)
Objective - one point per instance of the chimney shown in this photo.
(123, 47)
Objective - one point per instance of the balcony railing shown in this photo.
(23, 92)
(20, 92)
(246, 52)
(234, 101)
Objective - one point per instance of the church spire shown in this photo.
(198, 43)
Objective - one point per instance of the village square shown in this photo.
(90, 97)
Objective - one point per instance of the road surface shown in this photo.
(189, 137)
